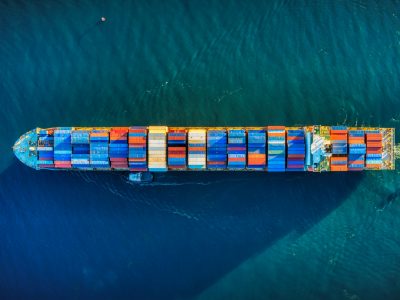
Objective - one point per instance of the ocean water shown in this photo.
(198, 235)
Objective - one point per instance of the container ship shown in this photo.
(159, 148)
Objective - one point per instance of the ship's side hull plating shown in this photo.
(161, 148)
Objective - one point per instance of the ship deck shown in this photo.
(26, 148)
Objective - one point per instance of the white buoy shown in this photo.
(103, 19)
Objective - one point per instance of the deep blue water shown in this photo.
(198, 235)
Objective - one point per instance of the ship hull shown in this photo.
(159, 149)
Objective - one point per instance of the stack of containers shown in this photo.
(157, 148)
(216, 149)
(256, 149)
(296, 150)
(374, 149)
(45, 148)
(339, 140)
(62, 147)
(339, 163)
(197, 149)
(236, 149)
(338, 136)
(177, 149)
(99, 157)
(276, 148)
(357, 150)
(80, 157)
(137, 138)
(118, 148)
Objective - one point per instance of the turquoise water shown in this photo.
(198, 236)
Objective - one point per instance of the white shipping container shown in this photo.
(157, 147)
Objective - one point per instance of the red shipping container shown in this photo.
(45, 166)
(215, 162)
(118, 159)
(137, 159)
(176, 138)
(63, 166)
(294, 138)
(45, 158)
(296, 156)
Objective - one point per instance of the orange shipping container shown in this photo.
(374, 144)
(257, 156)
(356, 162)
(276, 134)
(236, 159)
(338, 137)
(374, 137)
(335, 158)
(373, 166)
(356, 140)
(335, 131)
(139, 139)
(256, 161)
(337, 168)
(138, 159)
(197, 148)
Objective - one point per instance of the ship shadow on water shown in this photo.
(82, 235)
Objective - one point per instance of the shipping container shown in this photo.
(197, 149)
(99, 156)
(137, 156)
(276, 148)
(256, 149)
(62, 147)
(339, 139)
(374, 150)
(80, 140)
(119, 148)
(236, 149)
(296, 149)
(157, 148)
(45, 148)
(216, 149)
(357, 150)
(177, 147)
